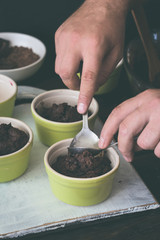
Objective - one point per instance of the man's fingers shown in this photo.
(129, 128)
(96, 70)
(112, 123)
(67, 65)
(89, 81)
(87, 89)
(149, 137)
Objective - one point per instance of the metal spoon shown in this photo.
(85, 140)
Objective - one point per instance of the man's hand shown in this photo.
(138, 116)
(93, 35)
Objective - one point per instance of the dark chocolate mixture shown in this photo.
(11, 139)
(15, 56)
(59, 112)
(83, 165)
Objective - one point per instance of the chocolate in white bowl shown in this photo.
(26, 41)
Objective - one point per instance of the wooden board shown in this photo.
(27, 204)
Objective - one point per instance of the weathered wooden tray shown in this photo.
(27, 205)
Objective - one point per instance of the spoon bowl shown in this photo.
(85, 139)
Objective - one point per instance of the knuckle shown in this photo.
(75, 37)
(83, 97)
(57, 33)
(89, 76)
(96, 41)
(155, 102)
(65, 74)
(123, 129)
(116, 111)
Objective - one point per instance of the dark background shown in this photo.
(41, 18)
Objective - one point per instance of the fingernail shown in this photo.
(101, 142)
(128, 159)
(81, 108)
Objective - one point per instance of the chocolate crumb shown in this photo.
(15, 56)
(83, 165)
(59, 112)
(11, 139)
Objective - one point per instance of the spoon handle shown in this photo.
(116, 143)
(113, 144)
(85, 120)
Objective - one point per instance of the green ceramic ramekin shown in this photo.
(79, 191)
(50, 132)
(112, 80)
(14, 165)
(8, 92)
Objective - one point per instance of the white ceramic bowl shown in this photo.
(19, 39)
(8, 93)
